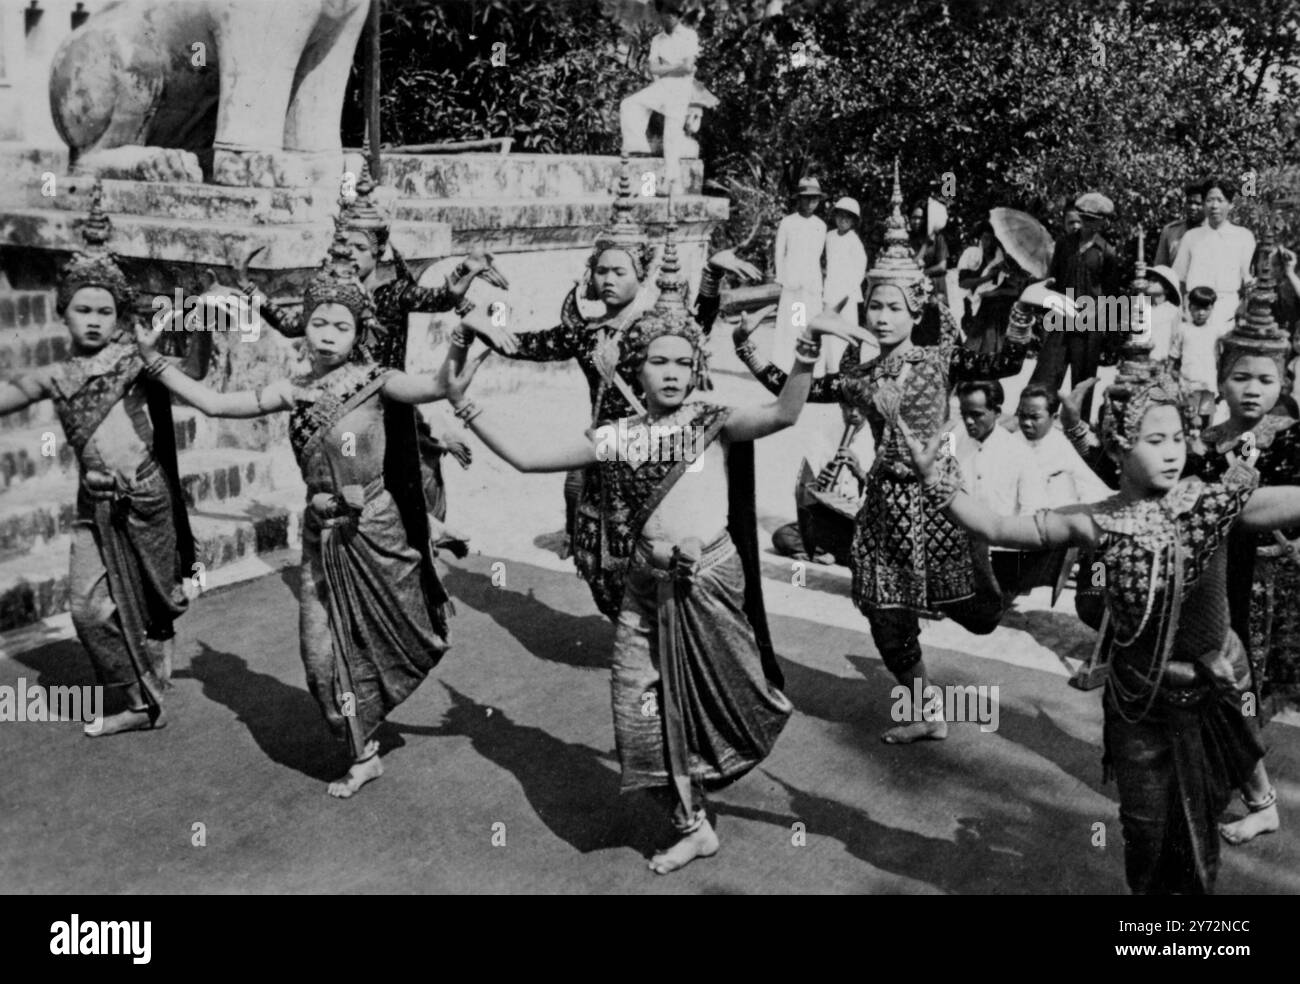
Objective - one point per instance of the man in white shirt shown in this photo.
(800, 242)
(846, 266)
(1217, 254)
(673, 53)
(1056, 475)
(992, 464)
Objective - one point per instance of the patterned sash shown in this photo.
(337, 394)
(87, 388)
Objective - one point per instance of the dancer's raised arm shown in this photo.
(1072, 526)
(205, 399)
(559, 454)
(751, 423)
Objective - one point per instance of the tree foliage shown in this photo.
(1024, 103)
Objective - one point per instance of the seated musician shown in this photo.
(842, 474)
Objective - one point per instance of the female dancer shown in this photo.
(695, 703)
(1175, 734)
(907, 559)
(371, 621)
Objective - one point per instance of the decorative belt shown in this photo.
(343, 506)
(100, 484)
(712, 555)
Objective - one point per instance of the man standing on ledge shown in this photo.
(673, 52)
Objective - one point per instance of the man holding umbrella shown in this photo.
(1085, 264)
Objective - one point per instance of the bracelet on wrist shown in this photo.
(939, 490)
(467, 411)
(806, 360)
(156, 366)
(710, 281)
(465, 306)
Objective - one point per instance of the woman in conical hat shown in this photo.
(908, 560)
(131, 544)
(372, 612)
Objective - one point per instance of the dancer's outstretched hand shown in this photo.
(458, 371)
(146, 339)
(479, 263)
(750, 321)
(829, 322)
(1072, 405)
(924, 457)
(242, 266)
(459, 450)
(495, 335)
(728, 262)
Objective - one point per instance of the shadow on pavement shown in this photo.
(573, 789)
(283, 720)
(581, 641)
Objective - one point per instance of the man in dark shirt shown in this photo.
(1086, 264)
(1172, 234)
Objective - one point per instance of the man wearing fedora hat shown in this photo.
(846, 266)
(800, 241)
(1086, 264)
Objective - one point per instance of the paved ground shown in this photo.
(511, 741)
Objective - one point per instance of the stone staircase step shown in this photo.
(513, 222)
(31, 347)
(546, 176)
(30, 309)
(34, 513)
(23, 457)
(35, 585)
(217, 474)
(143, 243)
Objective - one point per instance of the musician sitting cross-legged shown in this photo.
(827, 500)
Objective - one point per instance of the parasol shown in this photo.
(1023, 238)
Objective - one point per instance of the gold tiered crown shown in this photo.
(337, 282)
(361, 214)
(896, 264)
(1257, 333)
(94, 266)
(624, 232)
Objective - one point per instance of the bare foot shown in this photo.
(905, 734)
(128, 720)
(1251, 826)
(703, 843)
(360, 774)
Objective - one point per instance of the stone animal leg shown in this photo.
(260, 46)
(96, 102)
(316, 109)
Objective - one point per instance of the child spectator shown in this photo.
(1192, 353)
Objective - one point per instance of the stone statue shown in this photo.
(227, 80)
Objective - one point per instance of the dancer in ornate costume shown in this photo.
(695, 689)
(907, 559)
(617, 270)
(131, 544)
(1175, 735)
(394, 301)
(1263, 571)
(372, 619)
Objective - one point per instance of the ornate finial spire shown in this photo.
(1259, 320)
(338, 280)
(1257, 332)
(624, 232)
(94, 266)
(97, 228)
(896, 264)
